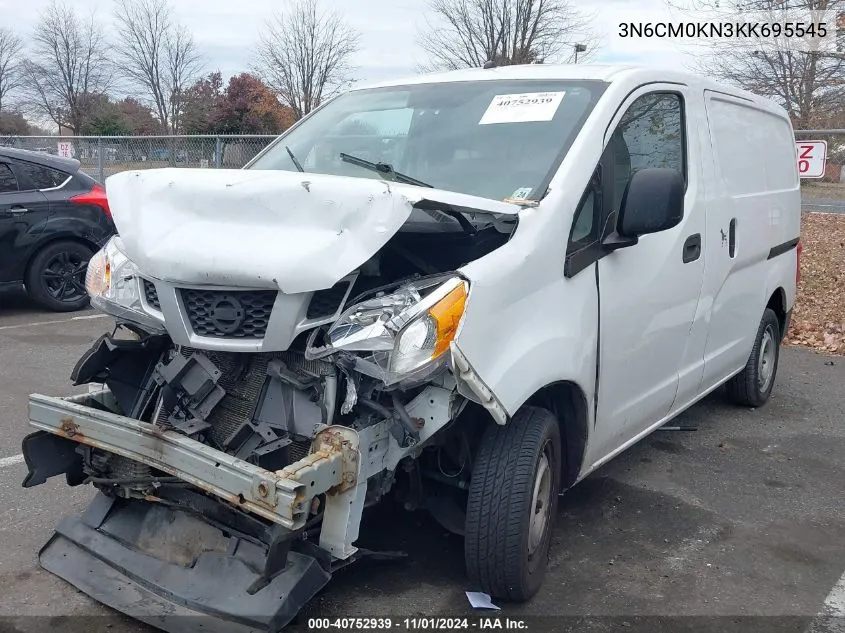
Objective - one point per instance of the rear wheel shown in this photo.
(512, 504)
(752, 386)
(56, 277)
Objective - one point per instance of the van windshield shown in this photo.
(496, 139)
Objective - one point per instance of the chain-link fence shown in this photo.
(821, 160)
(102, 156)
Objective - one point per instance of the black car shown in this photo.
(53, 217)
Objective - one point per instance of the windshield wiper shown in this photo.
(386, 169)
(383, 169)
(296, 163)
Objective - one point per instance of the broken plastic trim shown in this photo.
(474, 388)
(100, 553)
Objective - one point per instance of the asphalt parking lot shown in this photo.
(822, 204)
(738, 525)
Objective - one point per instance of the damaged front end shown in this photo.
(236, 433)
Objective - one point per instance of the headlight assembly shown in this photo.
(114, 286)
(400, 337)
(431, 326)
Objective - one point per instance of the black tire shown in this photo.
(752, 386)
(56, 276)
(501, 505)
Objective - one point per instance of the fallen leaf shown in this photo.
(818, 317)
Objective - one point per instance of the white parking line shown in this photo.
(11, 461)
(34, 323)
(835, 604)
(831, 619)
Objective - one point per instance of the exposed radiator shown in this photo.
(242, 377)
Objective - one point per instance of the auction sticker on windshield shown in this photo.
(522, 108)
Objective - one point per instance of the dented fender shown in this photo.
(525, 325)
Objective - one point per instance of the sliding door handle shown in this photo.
(692, 248)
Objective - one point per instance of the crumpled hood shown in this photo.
(255, 228)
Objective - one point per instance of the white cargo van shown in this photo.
(466, 290)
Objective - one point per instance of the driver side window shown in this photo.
(649, 134)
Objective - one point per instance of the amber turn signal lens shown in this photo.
(447, 315)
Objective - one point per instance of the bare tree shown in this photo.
(157, 55)
(69, 63)
(469, 33)
(10, 63)
(183, 66)
(303, 54)
(807, 79)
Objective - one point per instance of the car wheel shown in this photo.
(56, 277)
(512, 505)
(752, 386)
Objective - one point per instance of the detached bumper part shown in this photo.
(170, 555)
(176, 572)
(282, 497)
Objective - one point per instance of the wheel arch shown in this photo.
(777, 303)
(568, 402)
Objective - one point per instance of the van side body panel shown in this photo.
(691, 368)
(526, 325)
(649, 295)
(755, 208)
(543, 329)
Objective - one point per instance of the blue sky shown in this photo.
(226, 31)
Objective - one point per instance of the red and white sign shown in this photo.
(812, 158)
(65, 149)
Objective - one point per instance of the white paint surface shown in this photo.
(5, 462)
(259, 228)
(86, 317)
(831, 619)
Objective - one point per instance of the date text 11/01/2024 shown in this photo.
(485, 623)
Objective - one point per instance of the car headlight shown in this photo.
(403, 336)
(114, 286)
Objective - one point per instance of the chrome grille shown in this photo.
(229, 313)
(151, 294)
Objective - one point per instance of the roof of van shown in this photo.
(601, 72)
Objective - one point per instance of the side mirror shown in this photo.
(653, 202)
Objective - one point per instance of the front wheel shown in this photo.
(752, 386)
(512, 504)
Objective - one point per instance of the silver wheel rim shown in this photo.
(541, 502)
(766, 360)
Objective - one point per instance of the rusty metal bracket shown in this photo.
(282, 497)
(264, 489)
